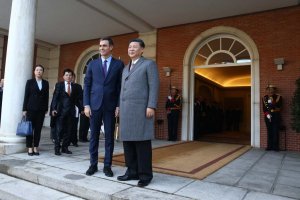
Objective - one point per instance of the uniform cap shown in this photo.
(271, 86)
(174, 88)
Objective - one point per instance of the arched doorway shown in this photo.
(223, 38)
(222, 90)
(83, 60)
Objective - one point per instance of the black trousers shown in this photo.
(138, 159)
(173, 124)
(84, 126)
(64, 127)
(37, 120)
(273, 131)
(74, 138)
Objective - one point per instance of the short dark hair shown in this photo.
(68, 71)
(110, 41)
(140, 41)
(39, 65)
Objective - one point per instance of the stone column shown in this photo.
(18, 68)
(150, 39)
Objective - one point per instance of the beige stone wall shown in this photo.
(48, 56)
(150, 39)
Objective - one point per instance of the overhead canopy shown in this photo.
(67, 21)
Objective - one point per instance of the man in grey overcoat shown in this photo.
(138, 101)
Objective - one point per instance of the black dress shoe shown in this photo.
(66, 151)
(57, 152)
(36, 153)
(107, 171)
(30, 154)
(126, 177)
(92, 170)
(143, 183)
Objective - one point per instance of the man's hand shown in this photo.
(54, 113)
(24, 113)
(269, 117)
(117, 112)
(87, 111)
(150, 112)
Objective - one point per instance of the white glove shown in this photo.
(169, 97)
(269, 116)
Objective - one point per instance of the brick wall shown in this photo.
(276, 34)
(69, 53)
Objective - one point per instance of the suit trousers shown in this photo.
(108, 118)
(37, 120)
(74, 138)
(138, 159)
(273, 131)
(64, 127)
(84, 126)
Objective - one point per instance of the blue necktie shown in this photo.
(104, 66)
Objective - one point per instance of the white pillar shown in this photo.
(18, 68)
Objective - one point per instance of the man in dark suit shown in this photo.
(102, 86)
(66, 96)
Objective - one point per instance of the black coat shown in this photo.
(34, 98)
(65, 104)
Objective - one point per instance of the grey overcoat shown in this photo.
(139, 90)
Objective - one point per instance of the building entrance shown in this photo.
(222, 91)
(222, 114)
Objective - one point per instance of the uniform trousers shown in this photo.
(273, 131)
(138, 159)
(37, 120)
(173, 124)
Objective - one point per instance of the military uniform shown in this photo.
(173, 107)
(271, 107)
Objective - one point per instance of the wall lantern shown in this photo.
(279, 62)
(167, 71)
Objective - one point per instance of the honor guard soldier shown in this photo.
(272, 103)
(173, 107)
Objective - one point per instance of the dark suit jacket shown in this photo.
(65, 104)
(34, 98)
(103, 91)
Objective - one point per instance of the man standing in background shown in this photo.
(272, 103)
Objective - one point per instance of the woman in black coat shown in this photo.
(35, 107)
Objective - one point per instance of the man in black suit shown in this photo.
(102, 85)
(66, 96)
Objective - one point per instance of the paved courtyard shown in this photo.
(256, 175)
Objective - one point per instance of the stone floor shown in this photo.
(256, 175)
